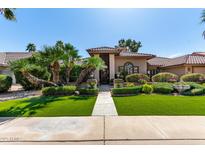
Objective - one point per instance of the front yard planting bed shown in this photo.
(48, 106)
(156, 104)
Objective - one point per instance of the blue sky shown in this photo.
(164, 32)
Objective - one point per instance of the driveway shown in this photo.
(104, 130)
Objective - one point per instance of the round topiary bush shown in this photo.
(165, 77)
(5, 83)
(137, 77)
(193, 77)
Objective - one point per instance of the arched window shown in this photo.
(129, 68)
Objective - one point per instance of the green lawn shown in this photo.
(160, 105)
(48, 106)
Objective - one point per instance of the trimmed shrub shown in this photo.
(194, 92)
(137, 77)
(147, 89)
(88, 91)
(142, 81)
(59, 91)
(165, 77)
(194, 85)
(129, 84)
(127, 90)
(39, 73)
(92, 83)
(5, 83)
(118, 83)
(193, 77)
(163, 88)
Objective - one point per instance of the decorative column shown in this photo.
(112, 65)
(97, 72)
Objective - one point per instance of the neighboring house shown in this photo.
(190, 63)
(119, 60)
(6, 57)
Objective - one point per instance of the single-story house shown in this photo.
(190, 63)
(6, 57)
(118, 60)
(121, 59)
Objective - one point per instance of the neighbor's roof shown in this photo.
(190, 59)
(6, 57)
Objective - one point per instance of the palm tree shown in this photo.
(24, 66)
(69, 58)
(51, 56)
(203, 21)
(90, 65)
(8, 13)
(31, 47)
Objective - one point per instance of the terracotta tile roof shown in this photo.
(133, 54)
(105, 50)
(158, 61)
(192, 59)
(198, 53)
(6, 57)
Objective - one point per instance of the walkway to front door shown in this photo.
(104, 104)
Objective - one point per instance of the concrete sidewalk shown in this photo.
(104, 130)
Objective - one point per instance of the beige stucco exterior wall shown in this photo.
(97, 72)
(198, 69)
(140, 62)
(178, 70)
(112, 66)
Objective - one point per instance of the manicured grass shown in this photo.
(46, 106)
(160, 105)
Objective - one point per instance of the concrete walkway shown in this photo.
(104, 130)
(104, 105)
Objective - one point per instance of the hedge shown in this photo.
(194, 92)
(127, 90)
(193, 77)
(163, 88)
(165, 77)
(59, 91)
(5, 83)
(88, 91)
(137, 77)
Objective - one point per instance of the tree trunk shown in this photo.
(84, 74)
(68, 70)
(55, 68)
(36, 81)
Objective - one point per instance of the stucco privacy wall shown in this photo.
(178, 70)
(140, 62)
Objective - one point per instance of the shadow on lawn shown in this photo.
(34, 104)
(30, 108)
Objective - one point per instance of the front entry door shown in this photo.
(104, 76)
